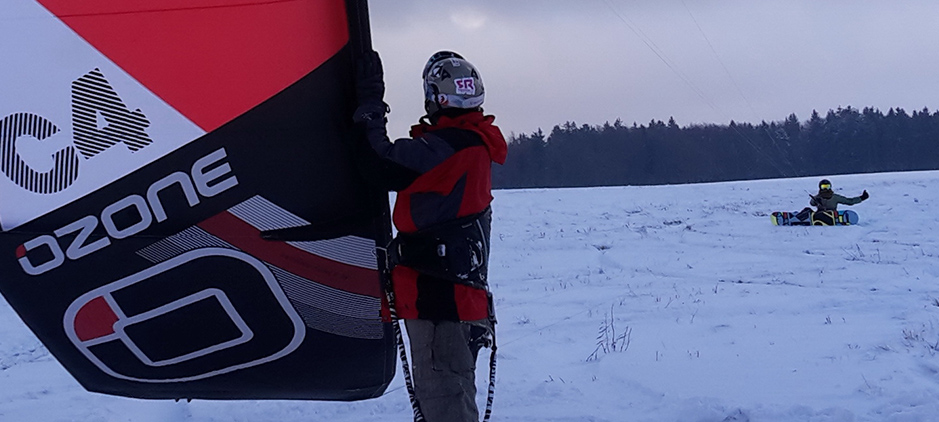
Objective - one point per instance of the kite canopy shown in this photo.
(144, 147)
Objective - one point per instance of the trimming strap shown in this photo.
(492, 377)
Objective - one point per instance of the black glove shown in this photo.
(369, 88)
(369, 83)
(864, 195)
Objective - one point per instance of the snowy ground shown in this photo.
(718, 315)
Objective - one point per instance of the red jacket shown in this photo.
(443, 172)
(459, 185)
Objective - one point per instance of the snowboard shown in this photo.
(815, 218)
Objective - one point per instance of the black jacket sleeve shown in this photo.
(395, 165)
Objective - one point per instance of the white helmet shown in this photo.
(451, 82)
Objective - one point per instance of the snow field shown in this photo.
(666, 303)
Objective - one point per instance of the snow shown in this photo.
(718, 314)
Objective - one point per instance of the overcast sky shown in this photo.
(546, 62)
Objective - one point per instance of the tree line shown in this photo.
(846, 140)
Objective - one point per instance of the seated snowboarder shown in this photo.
(827, 200)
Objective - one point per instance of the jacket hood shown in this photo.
(476, 122)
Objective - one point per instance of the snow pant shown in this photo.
(804, 214)
(444, 370)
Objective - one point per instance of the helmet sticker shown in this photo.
(465, 86)
(455, 62)
(438, 72)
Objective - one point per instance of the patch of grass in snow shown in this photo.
(608, 339)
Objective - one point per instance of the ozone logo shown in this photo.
(204, 313)
(92, 95)
(209, 177)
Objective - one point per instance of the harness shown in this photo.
(456, 251)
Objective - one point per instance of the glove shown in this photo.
(369, 88)
(369, 83)
(864, 195)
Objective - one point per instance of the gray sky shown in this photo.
(592, 61)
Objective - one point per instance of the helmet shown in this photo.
(824, 184)
(451, 82)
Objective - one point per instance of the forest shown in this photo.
(843, 141)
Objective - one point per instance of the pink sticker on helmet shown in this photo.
(465, 86)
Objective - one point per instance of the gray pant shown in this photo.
(444, 370)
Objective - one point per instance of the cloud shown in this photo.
(468, 18)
